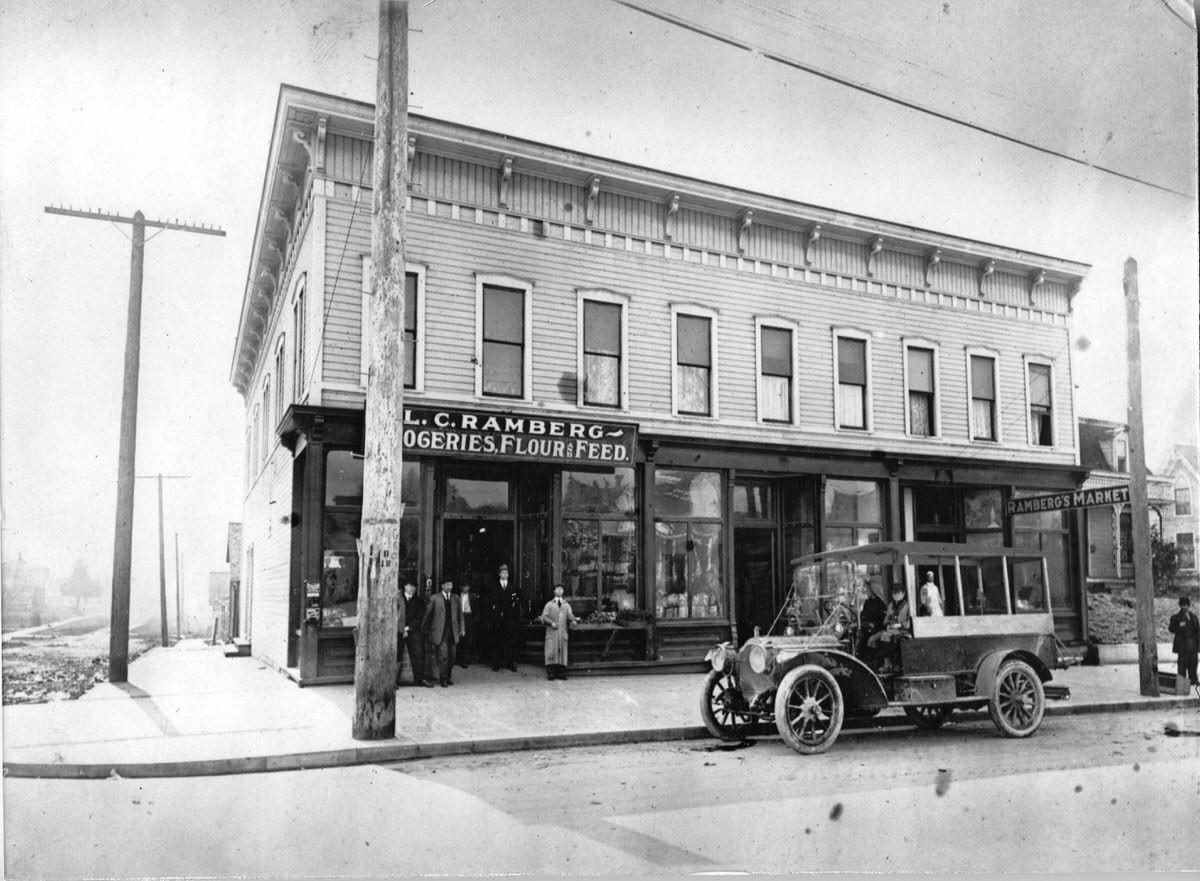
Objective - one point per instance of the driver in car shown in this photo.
(897, 624)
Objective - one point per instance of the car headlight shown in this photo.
(718, 657)
(759, 659)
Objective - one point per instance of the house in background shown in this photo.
(1108, 529)
(1183, 524)
(24, 593)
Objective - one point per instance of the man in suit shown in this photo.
(442, 626)
(409, 616)
(506, 622)
(1186, 627)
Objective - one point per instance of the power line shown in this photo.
(740, 43)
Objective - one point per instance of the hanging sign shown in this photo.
(543, 438)
(1081, 498)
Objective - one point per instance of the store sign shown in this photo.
(1083, 498)
(510, 436)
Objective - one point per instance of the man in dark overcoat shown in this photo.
(507, 615)
(1186, 627)
(442, 626)
(409, 617)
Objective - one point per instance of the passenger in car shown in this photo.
(897, 624)
(931, 597)
(870, 622)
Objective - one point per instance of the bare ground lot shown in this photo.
(1112, 618)
(63, 661)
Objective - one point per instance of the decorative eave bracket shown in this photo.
(986, 268)
(745, 221)
(281, 216)
(411, 153)
(932, 259)
(593, 193)
(313, 143)
(814, 235)
(669, 219)
(506, 166)
(876, 250)
(1036, 280)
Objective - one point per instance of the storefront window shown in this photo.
(342, 522)
(799, 528)
(1047, 531)
(467, 496)
(688, 544)
(753, 500)
(599, 540)
(852, 513)
(955, 514)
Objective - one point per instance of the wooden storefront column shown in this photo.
(894, 529)
(649, 541)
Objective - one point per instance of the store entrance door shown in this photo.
(754, 579)
(472, 551)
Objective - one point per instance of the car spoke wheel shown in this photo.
(929, 716)
(809, 709)
(1017, 701)
(723, 707)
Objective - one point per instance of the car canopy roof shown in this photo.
(895, 552)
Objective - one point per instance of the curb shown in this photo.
(404, 752)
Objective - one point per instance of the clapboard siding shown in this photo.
(345, 245)
(271, 541)
(456, 251)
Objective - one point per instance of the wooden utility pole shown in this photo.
(1139, 507)
(178, 595)
(162, 555)
(375, 650)
(118, 634)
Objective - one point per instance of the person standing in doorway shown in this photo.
(506, 622)
(1186, 627)
(410, 617)
(442, 626)
(931, 597)
(558, 618)
(465, 650)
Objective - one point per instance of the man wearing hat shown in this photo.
(442, 626)
(506, 622)
(1186, 627)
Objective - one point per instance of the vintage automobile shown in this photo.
(993, 644)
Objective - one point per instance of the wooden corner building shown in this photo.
(652, 389)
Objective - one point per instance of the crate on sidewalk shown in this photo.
(1172, 683)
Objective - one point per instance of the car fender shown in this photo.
(989, 666)
(861, 688)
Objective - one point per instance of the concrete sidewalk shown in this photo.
(189, 710)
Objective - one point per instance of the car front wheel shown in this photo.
(1017, 701)
(809, 709)
(722, 707)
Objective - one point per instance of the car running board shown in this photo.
(1057, 692)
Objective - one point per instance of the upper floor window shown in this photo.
(298, 330)
(695, 364)
(280, 400)
(255, 433)
(983, 397)
(776, 368)
(503, 345)
(1041, 422)
(1183, 501)
(602, 350)
(1121, 455)
(413, 334)
(267, 425)
(852, 366)
(922, 403)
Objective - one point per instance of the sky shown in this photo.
(1067, 129)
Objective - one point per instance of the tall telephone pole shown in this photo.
(178, 594)
(1139, 507)
(118, 635)
(162, 556)
(375, 650)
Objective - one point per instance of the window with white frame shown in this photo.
(602, 349)
(920, 376)
(414, 324)
(298, 330)
(695, 362)
(1121, 455)
(776, 372)
(1041, 407)
(852, 372)
(255, 433)
(1183, 501)
(280, 400)
(266, 423)
(982, 381)
(503, 314)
